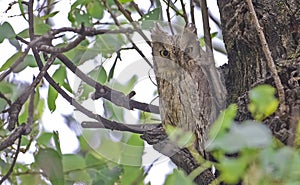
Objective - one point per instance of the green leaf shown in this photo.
(178, 178)
(60, 75)
(81, 18)
(6, 31)
(132, 175)
(214, 34)
(10, 61)
(280, 164)
(107, 44)
(99, 74)
(52, 96)
(132, 151)
(81, 53)
(232, 170)
(223, 123)
(263, 102)
(94, 160)
(28, 61)
(115, 112)
(30, 179)
(75, 168)
(249, 134)
(125, 1)
(15, 43)
(149, 19)
(95, 9)
(44, 138)
(22, 9)
(40, 27)
(52, 14)
(73, 162)
(51, 163)
(179, 136)
(24, 33)
(112, 70)
(127, 87)
(57, 142)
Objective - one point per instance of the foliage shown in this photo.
(247, 152)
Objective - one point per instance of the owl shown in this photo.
(185, 98)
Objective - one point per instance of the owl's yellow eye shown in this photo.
(164, 53)
(188, 50)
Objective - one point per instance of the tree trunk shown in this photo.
(247, 66)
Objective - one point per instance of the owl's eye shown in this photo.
(188, 50)
(164, 53)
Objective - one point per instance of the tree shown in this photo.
(262, 43)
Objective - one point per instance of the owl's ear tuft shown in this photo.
(157, 33)
(190, 28)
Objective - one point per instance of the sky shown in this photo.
(54, 121)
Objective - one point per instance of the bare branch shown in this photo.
(136, 7)
(185, 17)
(114, 96)
(17, 105)
(70, 46)
(140, 129)
(270, 62)
(192, 12)
(10, 140)
(13, 162)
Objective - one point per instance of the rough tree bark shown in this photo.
(247, 67)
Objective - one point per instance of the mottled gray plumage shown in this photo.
(185, 95)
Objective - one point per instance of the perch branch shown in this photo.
(114, 96)
(267, 52)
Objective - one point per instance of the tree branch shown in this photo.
(130, 40)
(267, 53)
(15, 108)
(105, 92)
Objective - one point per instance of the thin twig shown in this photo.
(169, 18)
(192, 12)
(10, 140)
(206, 29)
(185, 17)
(133, 23)
(130, 40)
(5, 98)
(13, 162)
(211, 16)
(136, 7)
(267, 52)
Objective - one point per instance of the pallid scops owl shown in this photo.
(185, 95)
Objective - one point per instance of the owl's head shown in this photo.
(173, 51)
